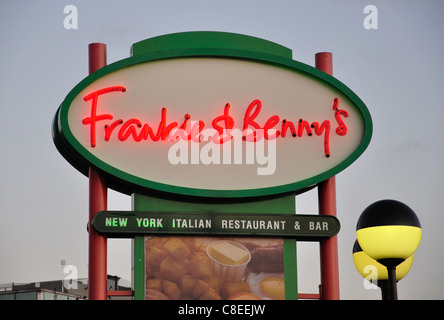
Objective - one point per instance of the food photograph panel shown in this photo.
(205, 268)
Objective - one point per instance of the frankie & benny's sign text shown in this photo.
(252, 131)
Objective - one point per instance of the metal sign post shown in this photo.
(327, 206)
(97, 254)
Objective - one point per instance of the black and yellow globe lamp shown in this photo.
(389, 232)
(377, 273)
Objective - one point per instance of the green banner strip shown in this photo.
(133, 223)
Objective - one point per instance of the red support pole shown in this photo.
(96, 56)
(97, 254)
(327, 206)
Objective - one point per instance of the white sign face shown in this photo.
(215, 126)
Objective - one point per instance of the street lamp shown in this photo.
(389, 232)
(373, 271)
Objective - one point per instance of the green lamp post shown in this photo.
(389, 232)
(377, 273)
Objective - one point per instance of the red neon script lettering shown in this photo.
(341, 130)
(285, 125)
(228, 122)
(137, 131)
(249, 121)
(94, 117)
(129, 128)
(325, 127)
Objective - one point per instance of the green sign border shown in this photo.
(198, 44)
(294, 226)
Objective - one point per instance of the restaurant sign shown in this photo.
(236, 117)
(134, 223)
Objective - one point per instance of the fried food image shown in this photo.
(156, 255)
(187, 284)
(155, 284)
(273, 287)
(244, 296)
(171, 290)
(210, 294)
(171, 269)
(180, 268)
(200, 266)
(200, 288)
(232, 287)
(267, 259)
(152, 294)
(177, 248)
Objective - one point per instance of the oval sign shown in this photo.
(212, 122)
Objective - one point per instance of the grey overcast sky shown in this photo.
(396, 69)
